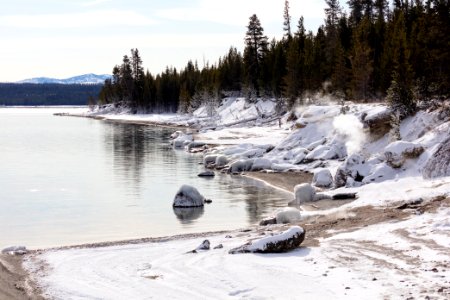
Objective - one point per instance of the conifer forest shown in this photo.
(373, 51)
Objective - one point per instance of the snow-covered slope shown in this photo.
(392, 242)
(81, 79)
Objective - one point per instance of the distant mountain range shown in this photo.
(81, 79)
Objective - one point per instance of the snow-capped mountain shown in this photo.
(81, 79)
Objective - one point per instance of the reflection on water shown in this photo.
(186, 215)
(73, 180)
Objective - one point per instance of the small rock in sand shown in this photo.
(205, 245)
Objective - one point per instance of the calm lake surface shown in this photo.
(66, 180)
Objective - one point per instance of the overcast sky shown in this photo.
(64, 38)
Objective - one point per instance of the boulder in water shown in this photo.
(188, 196)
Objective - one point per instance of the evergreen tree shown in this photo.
(362, 63)
(126, 80)
(294, 82)
(287, 21)
(401, 85)
(332, 40)
(356, 11)
(254, 53)
(137, 72)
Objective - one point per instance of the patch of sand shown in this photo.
(14, 280)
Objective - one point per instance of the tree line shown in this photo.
(48, 94)
(374, 51)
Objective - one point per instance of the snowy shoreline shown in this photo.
(392, 241)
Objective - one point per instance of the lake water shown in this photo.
(67, 180)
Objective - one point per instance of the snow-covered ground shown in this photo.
(404, 255)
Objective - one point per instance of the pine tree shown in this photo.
(137, 72)
(356, 11)
(362, 63)
(126, 81)
(333, 14)
(292, 80)
(402, 76)
(287, 21)
(254, 53)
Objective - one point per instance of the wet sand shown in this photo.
(14, 280)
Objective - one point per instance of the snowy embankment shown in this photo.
(392, 241)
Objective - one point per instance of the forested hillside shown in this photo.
(377, 50)
(48, 94)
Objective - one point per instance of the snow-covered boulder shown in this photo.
(322, 178)
(379, 173)
(188, 196)
(303, 192)
(378, 121)
(256, 152)
(352, 171)
(315, 144)
(195, 145)
(288, 215)
(240, 166)
(300, 156)
(394, 160)
(209, 159)
(176, 134)
(438, 165)
(285, 241)
(15, 250)
(407, 149)
(279, 167)
(182, 140)
(221, 161)
(397, 152)
(261, 164)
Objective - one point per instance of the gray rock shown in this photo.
(378, 124)
(220, 246)
(283, 242)
(209, 159)
(205, 245)
(206, 174)
(268, 221)
(438, 165)
(394, 160)
(188, 196)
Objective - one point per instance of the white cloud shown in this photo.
(95, 2)
(99, 18)
(237, 12)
